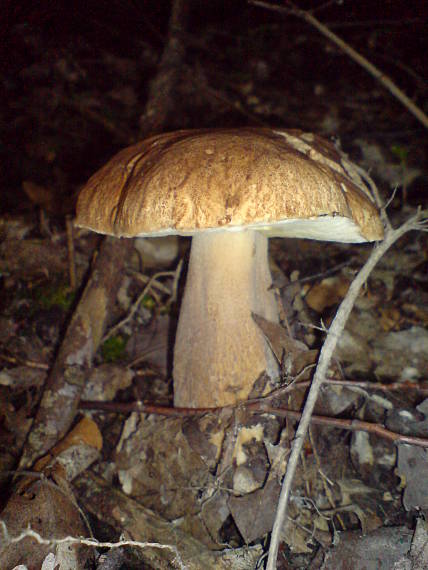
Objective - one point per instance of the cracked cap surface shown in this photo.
(283, 183)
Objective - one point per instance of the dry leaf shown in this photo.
(328, 292)
(293, 355)
(49, 511)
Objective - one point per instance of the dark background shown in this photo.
(75, 77)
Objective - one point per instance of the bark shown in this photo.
(162, 88)
(64, 385)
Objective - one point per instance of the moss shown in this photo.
(113, 348)
(148, 302)
(52, 295)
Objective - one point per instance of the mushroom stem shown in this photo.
(219, 351)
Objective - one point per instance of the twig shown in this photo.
(370, 183)
(30, 533)
(136, 304)
(177, 275)
(261, 405)
(161, 96)
(320, 275)
(29, 363)
(121, 134)
(143, 357)
(70, 250)
(421, 388)
(349, 425)
(353, 54)
(416, 222)
(172, 292)
(421, 82)
(145, 279)
(223, 99)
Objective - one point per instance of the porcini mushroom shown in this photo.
(230, 190)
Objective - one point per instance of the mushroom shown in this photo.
(230, 189)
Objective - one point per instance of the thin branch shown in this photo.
(316, 276)
(260, 407)
(405, 385)
(29, 363)
(416, 222)
(145, 279)
(351, 425)
(353, 54)
(326, 482)
(136, 304)
(161, 96)
(71, 253)
(30, 533)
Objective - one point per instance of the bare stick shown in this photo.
(352, 425)
(161, 97)
(258, 406)
(70, 249)
(416, 222)
(420, 387)
(136, 304)
(353, 54)
(30, 533)
(66, 379)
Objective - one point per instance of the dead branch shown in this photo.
(352, 425)
(259, 406)
(65, 381)
(134, 307)
(417, 222)
(70, 251)
(161, 91)
(418, 387)
(353, 54)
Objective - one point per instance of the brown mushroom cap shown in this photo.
(210, 184)
(282, 183)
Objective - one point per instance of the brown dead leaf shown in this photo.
(418, 314)
(291, 354)
(390, 319)
(327, 293)
(49, 511)
(83, 443)
(85, 432)
(254, 514)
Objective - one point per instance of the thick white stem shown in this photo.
(219, 351)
